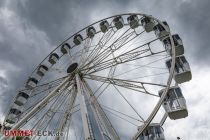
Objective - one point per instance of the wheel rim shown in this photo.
(84, 56)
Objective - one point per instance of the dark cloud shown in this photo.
(195, 25)
(189, 18)
(53, 17)
(2, 3)
(57, 18)
(22, 47)
(3, 83)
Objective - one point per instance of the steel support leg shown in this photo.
(102, 115)
(83, 109)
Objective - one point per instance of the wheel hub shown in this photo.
(72, 68)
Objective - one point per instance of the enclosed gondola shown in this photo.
(21, 98)
(153, 132)
(118, 22)
(161, 31)
(104, 26)
(174, 103)
(91, 31)
(179, 48)
(31, 83)
(42, 70)
(11, 119)
(65, 48)
(148, 24)
(14, 112)
(78, 39)
(133, 21)
(7, 127)
(182, 72)
(53, 58)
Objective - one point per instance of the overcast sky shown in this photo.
(30, 29)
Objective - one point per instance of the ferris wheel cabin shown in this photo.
(118, 22)
(12, 118)
(31, 83)
(133, 21)
(179, 48)
(148, 24)
(175, 103)
(21, 98)
(104, 26)
(91, 31)
(7, 127)
(65, 48)
(182, 72)
(153, 132)
(78, 39)
(42, 70)
(160, 31)
(53, 58)
(13, 113)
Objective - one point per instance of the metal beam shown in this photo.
(102, 116)
(163, 119)
(83, 109)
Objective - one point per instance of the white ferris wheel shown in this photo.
(117, 78)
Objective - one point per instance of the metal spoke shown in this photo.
(38, 100)
(85, 50)
(111, 109)
(102, 91)
(47, 117)
(125, 83)
(56, 104)
(156, 74)
(36, 108)
(104, 52)
(134, 54)
(100, 45)
(67, 113)
(118, 116)
(129, 103)
(112, 48)
(141, 66)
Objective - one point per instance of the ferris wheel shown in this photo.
(108, 81)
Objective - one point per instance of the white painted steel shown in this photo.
(83, 110)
